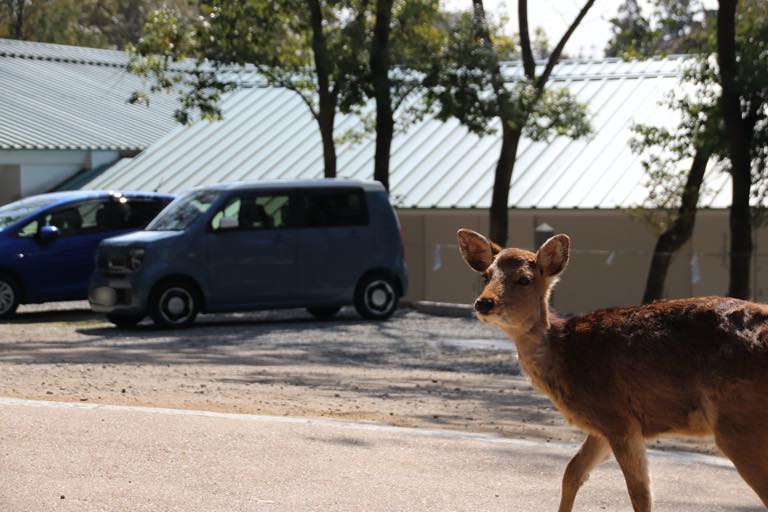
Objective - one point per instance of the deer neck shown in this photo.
(536, 354)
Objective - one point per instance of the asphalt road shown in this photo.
(88, 457)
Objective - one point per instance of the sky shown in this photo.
(554, 16)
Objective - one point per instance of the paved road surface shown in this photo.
(83, 457)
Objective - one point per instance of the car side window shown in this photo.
(253, 212)
(30, 229)
(124, 213)
(78, 219)
(335, 208)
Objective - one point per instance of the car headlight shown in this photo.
(135, 259)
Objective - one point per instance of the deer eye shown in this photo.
(486, 278)
(523, 281)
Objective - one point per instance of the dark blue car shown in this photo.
(48, 242)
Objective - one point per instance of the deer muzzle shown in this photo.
(484, 306)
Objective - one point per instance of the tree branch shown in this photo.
(529, 65)
(497, 80)
(555, 56)
(402, 96)
(287, 84)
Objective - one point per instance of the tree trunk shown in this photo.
(380, 63)
(511, 137)
(679, 232)
(18, 21)
(499, 212)
(326, 121)
(739, 152)
(327, 101)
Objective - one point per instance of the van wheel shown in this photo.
(174, 304)
(9, 296)
(124, 321)
(376, 297)
(324, 313)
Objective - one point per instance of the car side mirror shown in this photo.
(228, 223)
(48, 234)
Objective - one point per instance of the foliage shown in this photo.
(275, 38)
(416, 35)
(674, 27)
(229, 35)
(93, 23)
(667, 151)
(460, 85)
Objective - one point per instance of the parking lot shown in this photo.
(415, 370)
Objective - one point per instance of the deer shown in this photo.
(624, 375)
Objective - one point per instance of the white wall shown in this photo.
(41, 170)
(36, 179)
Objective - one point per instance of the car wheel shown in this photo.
(174, 304)
(124, 321)
(324, 313)
(9, 296)
(376, 297)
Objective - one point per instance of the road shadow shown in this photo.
(292, 348)
(288, 338)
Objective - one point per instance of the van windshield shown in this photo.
(13, 212)
(181, 213)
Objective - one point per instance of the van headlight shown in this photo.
(135, 259)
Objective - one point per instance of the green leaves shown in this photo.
(666, 151)
(674, 27)
(460, 83)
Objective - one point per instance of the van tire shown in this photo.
(174, 303)
(124, 321)
(324, 312)
(10, 293)
(376, 296)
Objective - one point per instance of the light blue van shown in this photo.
(318, 244)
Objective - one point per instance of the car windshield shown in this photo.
(18, 210)
(181, 213)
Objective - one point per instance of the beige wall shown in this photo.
(609, 261)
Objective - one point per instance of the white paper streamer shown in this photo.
(695, 269)
(438, 260)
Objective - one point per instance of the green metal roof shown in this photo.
(65, 97)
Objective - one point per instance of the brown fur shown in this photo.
(693, 366)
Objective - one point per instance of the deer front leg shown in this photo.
(629, 451)
(593, 451)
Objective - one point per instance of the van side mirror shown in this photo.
(48, 234)
(228, 223)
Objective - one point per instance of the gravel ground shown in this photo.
(415, 370)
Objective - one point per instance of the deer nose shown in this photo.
(484, 306)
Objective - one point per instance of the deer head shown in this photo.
(517, 282)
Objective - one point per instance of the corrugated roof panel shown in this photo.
(472, 180)
(543, 157)
(613, 138)
(269, 133)
(461, 166)
(616, 102)
(204, 148)
(62, 97)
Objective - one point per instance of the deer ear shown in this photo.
(477, 250)
(553, 255)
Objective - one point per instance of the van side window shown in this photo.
(255, 212)
(141, 211)
(330, 208)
